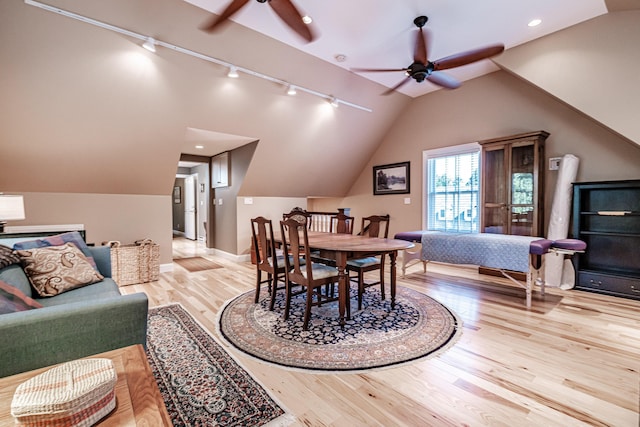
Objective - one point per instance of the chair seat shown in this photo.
(364, 262)
(280, 259)
(321, 271)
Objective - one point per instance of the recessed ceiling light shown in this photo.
(200, 147)
(340, 57)
(535, 22)
(307, 19)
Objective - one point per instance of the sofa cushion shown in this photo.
(58, 240)
(15, 276)
(8, 256)
(12, 300)
(56, 269)
(98, 291)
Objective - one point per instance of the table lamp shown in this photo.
(11, 208)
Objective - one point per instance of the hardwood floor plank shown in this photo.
(572, 360)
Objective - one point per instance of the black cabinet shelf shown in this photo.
(606, 215)
(608, 233)
(626, 213)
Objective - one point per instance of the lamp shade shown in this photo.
(11, 207)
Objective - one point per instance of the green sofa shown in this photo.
(77, 323)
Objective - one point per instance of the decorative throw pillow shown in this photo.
(8, 256)
(59, 240)
(12, 299)
(56, 269)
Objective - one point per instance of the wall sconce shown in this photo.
(11, 208)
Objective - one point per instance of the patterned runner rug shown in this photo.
(376, 336)
(202, 385)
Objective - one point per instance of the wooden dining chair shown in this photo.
(341, 223)
(372, 226)
(299, 215)
(267, 259)
(311, 275)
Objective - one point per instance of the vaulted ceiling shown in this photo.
(86, 109)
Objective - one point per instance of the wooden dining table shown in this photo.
(344, 247)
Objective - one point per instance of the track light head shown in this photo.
(233, 73)
(150, 44)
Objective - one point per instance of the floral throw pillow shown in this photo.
(56, 269)
(8, 256)
(12, 299)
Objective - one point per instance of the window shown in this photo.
(452, 182)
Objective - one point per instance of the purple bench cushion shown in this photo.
(540, 247)
(410, 236)
(570, 244)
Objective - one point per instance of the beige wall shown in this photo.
(491, 106)
(125, 218)
(269, 207)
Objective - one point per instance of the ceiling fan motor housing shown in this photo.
(419, 72)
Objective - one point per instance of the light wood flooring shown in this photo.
(572, 360)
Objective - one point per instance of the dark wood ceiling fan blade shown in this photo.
(420, 51)
(376, 70)
(292, 17)
(444, 80)
(214, 22)
(396, 87)
(468, 57)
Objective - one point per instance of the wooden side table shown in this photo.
(138, 399)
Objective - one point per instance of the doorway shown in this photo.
(190, 215)
(190, 207)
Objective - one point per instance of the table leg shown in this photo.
(343, 286)
(392, 258)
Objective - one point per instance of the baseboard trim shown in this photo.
(228, 255)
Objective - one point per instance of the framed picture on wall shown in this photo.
(177, 195)
(391, 179)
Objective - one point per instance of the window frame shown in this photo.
(468, 148)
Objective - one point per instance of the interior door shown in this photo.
(190, 184)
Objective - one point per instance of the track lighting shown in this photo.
(233, 73)
(150, 44)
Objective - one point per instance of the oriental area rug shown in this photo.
(376, 336)
(202, 385)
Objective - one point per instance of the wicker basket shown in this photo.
(133, 264)
(77, 393)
